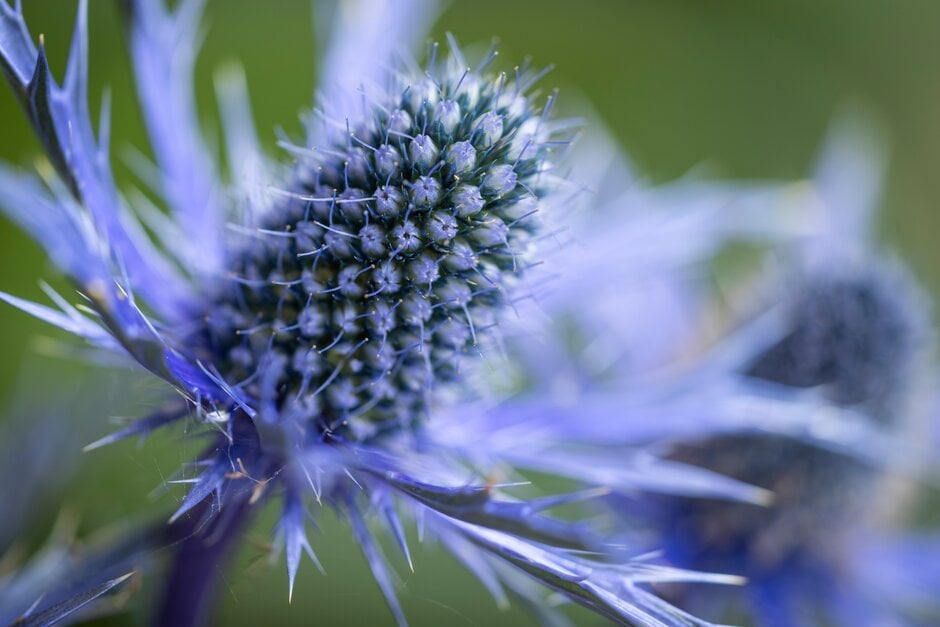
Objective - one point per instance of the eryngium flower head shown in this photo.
(388, 254)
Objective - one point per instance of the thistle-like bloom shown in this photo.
(316, 318)
(852, 339)
(820, 401)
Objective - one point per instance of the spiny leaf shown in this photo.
(62, 610)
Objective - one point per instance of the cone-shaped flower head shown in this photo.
(392, 249)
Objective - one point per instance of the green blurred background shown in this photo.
(747, 88)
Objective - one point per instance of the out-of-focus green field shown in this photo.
(747, 88)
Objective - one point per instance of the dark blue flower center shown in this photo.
(396, 249)
(854, 339)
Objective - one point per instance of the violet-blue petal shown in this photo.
(164, 44)
(144, 426)
(60, 117)
(208, 483)
(393, 520)
(902, 568)
(61, 228)
(376, 561)
(609, 590)
(249, 170)
(475, 505)
(292, 525)
(363, 39)
(79, 326)
(235, 453)
(475, 561)
(847, 181)
(60, 580)
(44, 614)
(17, 52)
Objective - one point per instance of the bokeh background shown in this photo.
(746, 88)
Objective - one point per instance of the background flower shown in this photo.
(846, 338)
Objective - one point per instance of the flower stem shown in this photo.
(202, 553)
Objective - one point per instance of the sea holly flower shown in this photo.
(819, 399)
(852, 337)
(317, 319)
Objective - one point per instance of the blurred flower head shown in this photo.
(846, 343)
